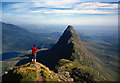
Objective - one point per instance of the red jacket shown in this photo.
(34, 50)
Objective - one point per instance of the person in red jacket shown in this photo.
(34, 50)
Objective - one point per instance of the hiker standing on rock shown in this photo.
(34, 50)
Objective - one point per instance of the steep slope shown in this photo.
(80, 73)
(15, 38)
(69, 46)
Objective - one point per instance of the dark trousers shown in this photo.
(34, 56)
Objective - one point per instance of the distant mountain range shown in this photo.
(70, 54)
(15, 38)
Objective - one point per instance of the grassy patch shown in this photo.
(69, 66)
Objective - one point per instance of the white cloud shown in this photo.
(71, 12)
(81, 8)
(59, 0)
(20, 5)
(82, 11)
(56, 3)
(96, 5)
(51, 12)
(47, 3)
(64, 4)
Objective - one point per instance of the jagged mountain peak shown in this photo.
(69, 35)
(69, 30)
(69, 46)
(69, 38)
(70, 27)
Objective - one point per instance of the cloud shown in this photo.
(66, 11)
(56, 3)
(59, 0)
(96, 5)
(47, 3)
(75, 12)
(19, 5)
(81, 8)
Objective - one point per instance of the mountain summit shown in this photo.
(69, 46)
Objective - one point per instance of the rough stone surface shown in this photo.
(64, 75)
(36, 65)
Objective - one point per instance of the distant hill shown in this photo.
(15, 38)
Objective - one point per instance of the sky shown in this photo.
(61, 12)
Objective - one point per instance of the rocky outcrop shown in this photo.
(64, 75)
(34, 72)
